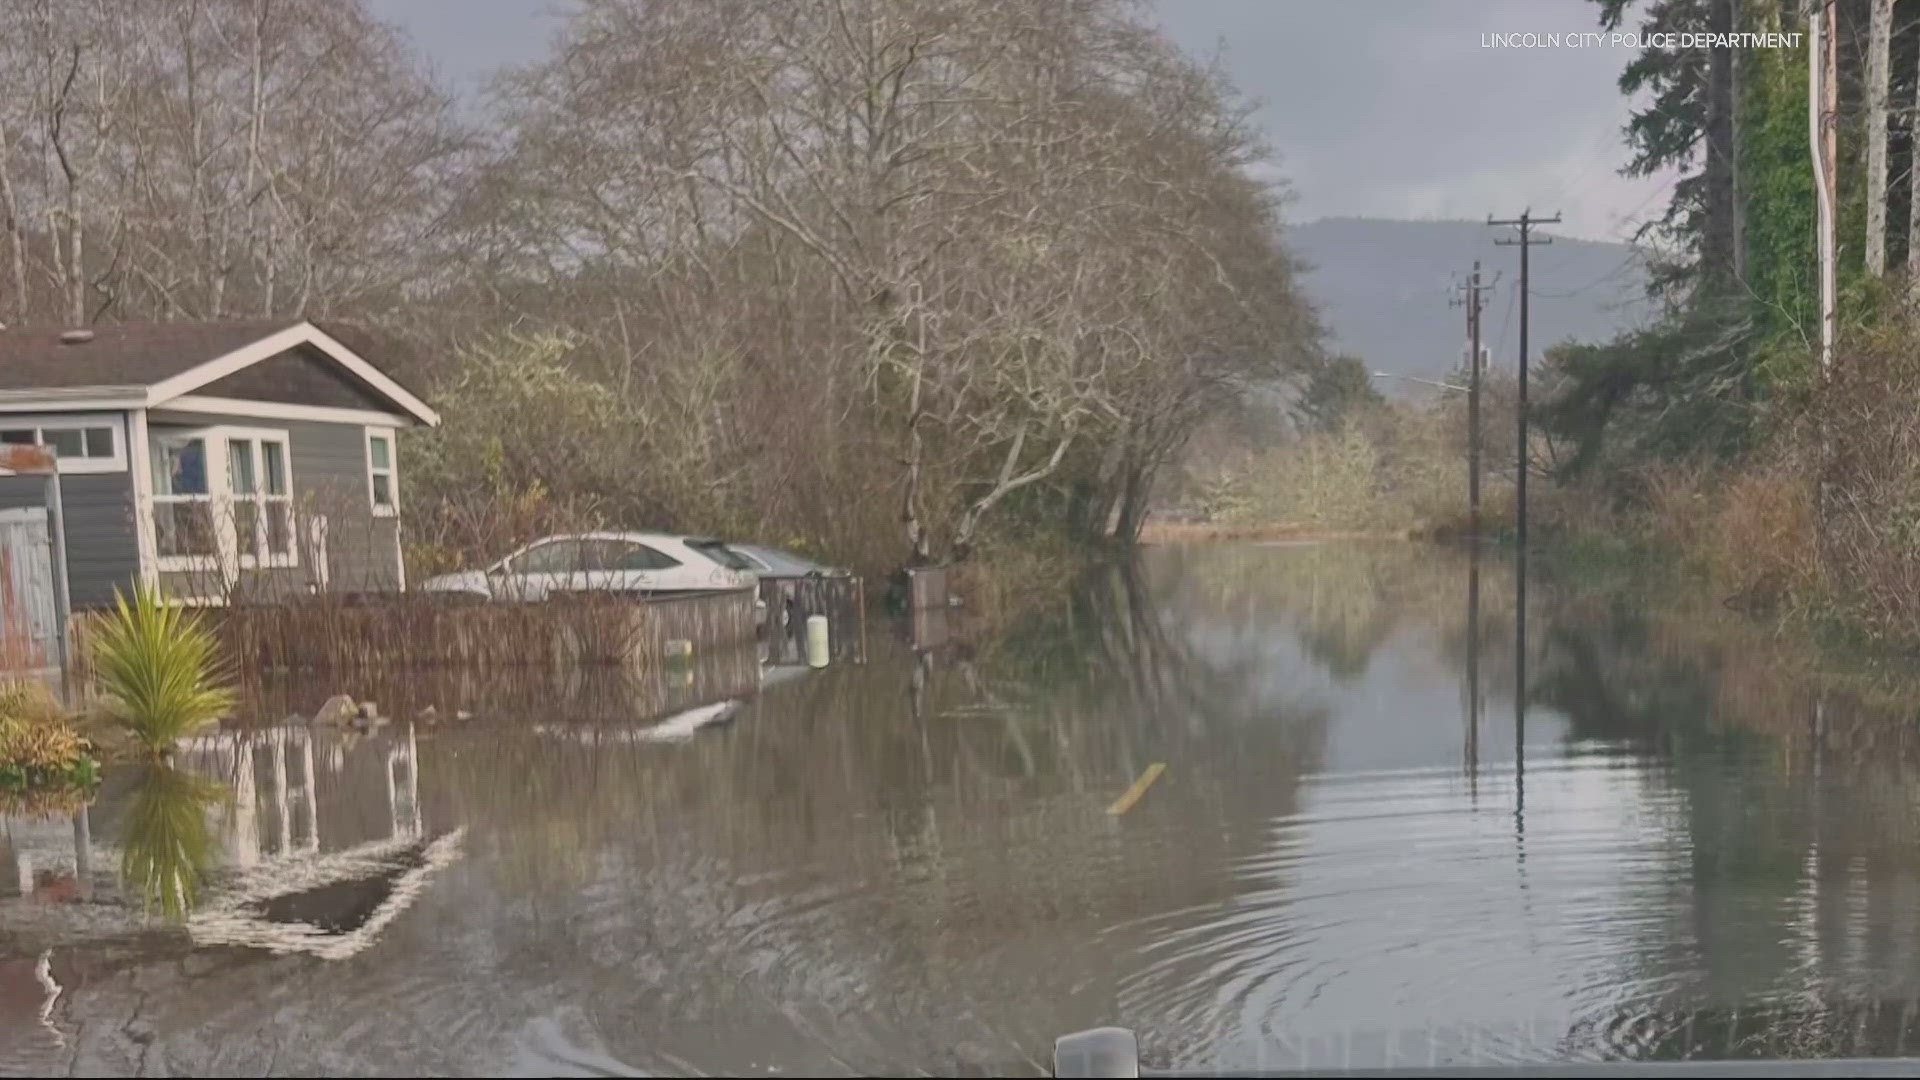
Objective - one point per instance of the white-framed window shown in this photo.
(383, 473)
(223, 497)
(84, 443)
(262, 494)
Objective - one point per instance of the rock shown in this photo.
(294, 719)
(140, 1031)
(429, 713)
(462, 714)
(369, 709)
(338, 710)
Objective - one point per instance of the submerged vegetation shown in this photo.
(158, 670)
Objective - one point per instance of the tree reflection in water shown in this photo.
(167, 845)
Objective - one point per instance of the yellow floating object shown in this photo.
(1132, 795)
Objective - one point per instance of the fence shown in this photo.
(790, 600)
(335, 633)
(28, 614)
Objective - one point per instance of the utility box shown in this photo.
(927, 587)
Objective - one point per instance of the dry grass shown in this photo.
(1397, 471)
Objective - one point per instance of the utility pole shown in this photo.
(1472, 299)
(1525, 242)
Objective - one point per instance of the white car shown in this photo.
(597, 563)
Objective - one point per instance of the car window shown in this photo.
(720, 553)
(629, 555)
(552, 557)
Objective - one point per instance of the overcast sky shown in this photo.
(1385, 108)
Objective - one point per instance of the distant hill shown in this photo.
(1382, 288)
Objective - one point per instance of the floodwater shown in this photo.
(1697, 842)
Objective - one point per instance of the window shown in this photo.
(626, 555)
(552, 557)
(262, 505)
(182, 501)
(222, 497)
(382, 486)
(82, 443)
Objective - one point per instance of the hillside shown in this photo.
(1383, 288)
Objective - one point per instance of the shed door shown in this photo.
(28, 623)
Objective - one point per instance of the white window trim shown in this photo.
(261, 499)
(72, 422)
(229, 558)
(392, 470)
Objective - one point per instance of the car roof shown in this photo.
(608, 534)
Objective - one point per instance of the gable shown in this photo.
(298, 376)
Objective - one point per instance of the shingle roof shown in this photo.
(122, 354)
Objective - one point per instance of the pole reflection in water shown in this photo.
(1520, 712)
(1473, 662)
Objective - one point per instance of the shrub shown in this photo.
(1865, 433)
(38, 747)
(158, 670)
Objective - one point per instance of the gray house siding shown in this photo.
(102, 554)
(329, 478)
(101, 551)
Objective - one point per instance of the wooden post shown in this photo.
(62, 600)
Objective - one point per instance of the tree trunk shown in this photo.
(1006, 485)
(16, 311)
(1879, 41)
(1717, 247)
(1133, 506)
(1913, 182)
(1739, 181)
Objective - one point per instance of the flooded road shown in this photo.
(1695, 843)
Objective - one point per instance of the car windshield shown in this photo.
(722, 554)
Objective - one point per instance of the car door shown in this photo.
(539, 570)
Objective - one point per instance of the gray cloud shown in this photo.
(1389, 108)
(1395, 108)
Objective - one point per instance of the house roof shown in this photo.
(150, 364)
(127, 354)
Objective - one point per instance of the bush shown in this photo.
(1865, 430)
(1395, 468)
(38, 747)
(158, 670)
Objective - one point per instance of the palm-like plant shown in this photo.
(159, 669)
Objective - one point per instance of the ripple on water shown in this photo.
(1401, 915)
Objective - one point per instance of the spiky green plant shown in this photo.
(159, 669)
(166, 845)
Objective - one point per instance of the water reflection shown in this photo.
(166, 844)
(1675, 849)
